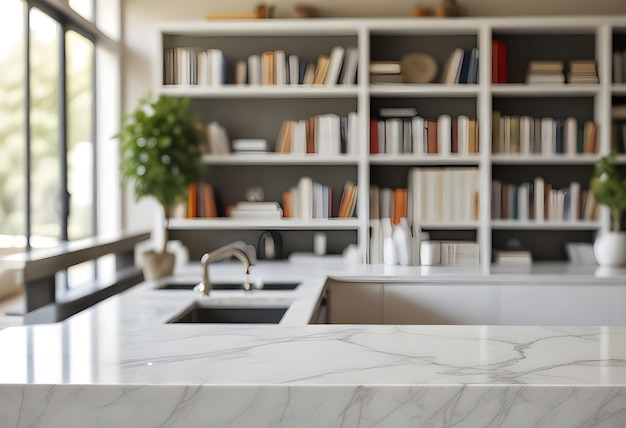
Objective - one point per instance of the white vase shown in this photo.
(610, 249)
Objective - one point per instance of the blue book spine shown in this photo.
(301, 69)
(465, 67)
(559, 135)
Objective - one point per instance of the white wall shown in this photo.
(141, 16)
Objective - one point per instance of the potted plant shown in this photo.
(160, 154)
(609, 188)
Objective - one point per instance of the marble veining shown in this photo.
(119, 364)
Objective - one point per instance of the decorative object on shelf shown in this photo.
(609, 189)
(448, 8)
(262, 11)
(255, 194)
(305, 11)
(160, 146)
(421, 12)
(418, 67)
(270, 245)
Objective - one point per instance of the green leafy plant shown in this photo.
(160, 145)
(609, 188)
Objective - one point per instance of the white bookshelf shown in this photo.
(380, 39)
(278, 159)
(272, 224)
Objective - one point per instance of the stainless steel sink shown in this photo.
(232, 314)
(230, 286)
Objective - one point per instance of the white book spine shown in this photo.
(280, 68)
(334, 65)
(348, 72)
(393, 134)
(547, 136)
(298, 143)
(522, 202)
(444, 134)
(353, 133)
(294, 70)
(574, 200)
(419, 132)
(570, 136)
(254, 70)
(305, 191)
(463, 134)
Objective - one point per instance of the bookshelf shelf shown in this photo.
(277, 159)
(249, 91)
(512, 159)
(546, 225)
(546, 90)
(426, 90)
(266, 107)
(251, 224)
(618, 89)
(472, 225)
(410, 159)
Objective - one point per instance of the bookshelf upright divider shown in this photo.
(249, 111)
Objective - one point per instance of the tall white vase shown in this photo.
(610, 249)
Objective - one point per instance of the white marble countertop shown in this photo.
(120, 364)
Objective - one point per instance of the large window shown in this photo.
(49, 123)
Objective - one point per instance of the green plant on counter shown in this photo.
(609, 188)
(160, 151)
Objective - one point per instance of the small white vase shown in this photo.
(610, 249)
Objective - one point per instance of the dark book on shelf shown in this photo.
(374, 135)
(465, 67)
(499, 60)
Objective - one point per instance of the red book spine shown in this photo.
(374, 135)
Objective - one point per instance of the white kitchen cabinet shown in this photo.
(354, 303)
(591, 304)
(440, 304)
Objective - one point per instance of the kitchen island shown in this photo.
(120, 363)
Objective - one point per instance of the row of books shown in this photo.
(618, 137)
(388, 203)
(444, 135)
(546, 136)
(200, 201)
(619, 66)
(618, 128)
(579, 71)
(442, 195)
(539, 201)
(311, 200)
(449, 253)
(324, 134)
(190, 66)
(461, 67)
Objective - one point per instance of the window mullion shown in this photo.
(63, 124)
(27, 127)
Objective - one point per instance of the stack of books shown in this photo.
(582, 71)
(461, 67)
(256, 210)
(545, 72)
(449, 253)
(385, 72)
(250, 145)
(512, 257)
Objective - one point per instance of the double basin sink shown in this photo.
(254, 309)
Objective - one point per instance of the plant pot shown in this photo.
(609, 249)
(157, 265)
